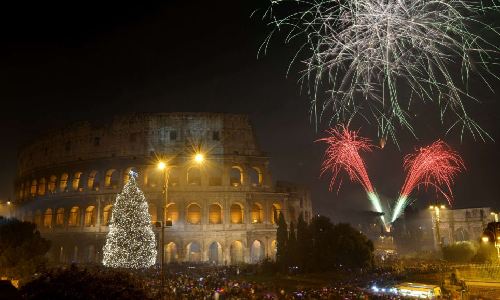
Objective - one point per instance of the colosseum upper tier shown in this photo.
(222, 210)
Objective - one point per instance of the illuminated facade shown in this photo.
(223, 211)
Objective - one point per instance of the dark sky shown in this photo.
(82, 60)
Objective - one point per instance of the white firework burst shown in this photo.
(360, 53)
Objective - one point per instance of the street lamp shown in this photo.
(495, 215)
(437, 218)
(495, 236)
(199, 159)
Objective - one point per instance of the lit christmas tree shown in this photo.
(130, 242)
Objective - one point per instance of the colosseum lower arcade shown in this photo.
(222, 211)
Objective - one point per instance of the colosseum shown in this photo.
(221, 211)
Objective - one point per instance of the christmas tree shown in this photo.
(130, 242)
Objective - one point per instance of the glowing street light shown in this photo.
(199, 158)
(485, 239)
(161, 165)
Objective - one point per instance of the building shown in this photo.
(458, 225)
(222, 211)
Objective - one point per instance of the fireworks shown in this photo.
(435, 166)
(343, 154)
(358, 51)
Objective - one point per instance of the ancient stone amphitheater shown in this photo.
(222, 211)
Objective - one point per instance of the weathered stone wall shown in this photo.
(68, 179)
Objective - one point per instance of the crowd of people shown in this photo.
(227, 283)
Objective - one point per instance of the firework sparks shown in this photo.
(357, 50)
(342, 154)
(433, 166)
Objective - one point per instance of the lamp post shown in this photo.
(198, 158)
(436, 209)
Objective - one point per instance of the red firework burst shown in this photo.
(435, 165)
(343, 154)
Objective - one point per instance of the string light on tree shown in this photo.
(130, 242)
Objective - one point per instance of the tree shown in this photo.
(304, 245)
(74, 283)
(352, 248)
(323, 252)
(130, 242)
(22, 249)
(292, 256)
(281, 241)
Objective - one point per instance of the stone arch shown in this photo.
(215, 214)
(236, 176)
(171, 253)
(236, 252)
(75, 183)
(275, 212)
(215, 253)
(236, 213)
(257, 251)
(194, 176)
(89, 220)
(461, 235)
(41, 186)
(193, 215)
(172, 213)
(63, 182)
(74, 216)
(193, 252)
(92, 182)
(47, 218)
(256, 213)
(255, 176)
(106, 214)
(153, 213)
(60, 216)
(33, 188)
(111, 179)
(52, 183)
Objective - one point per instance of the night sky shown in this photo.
(78, 60)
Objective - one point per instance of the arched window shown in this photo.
(152, 212)
(193, 252)
(172, 213)
(74, 216)
(215, 253)
(255, 176)
(276, 210)
(214, 214)
(236, 252)
(256, 214)
(47, 218)
(76, 181)
(257, 251)
(89, 216)
(41, 186)
(171, 253)
(60, 216)
(110, 180)
(194, 214)
(63, 182)
(52, 183)
(33, 188)
(92, 183)
(236, 214)
(106, 214)
(236, 176)
(194, 176)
